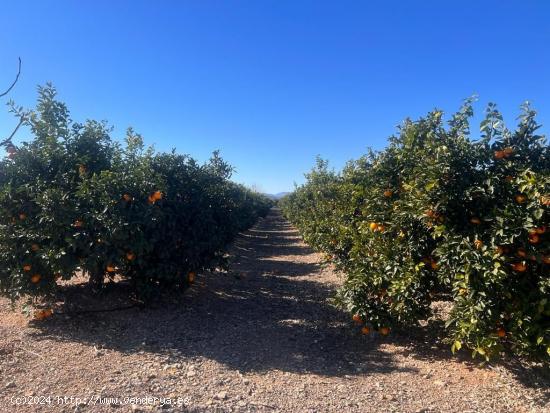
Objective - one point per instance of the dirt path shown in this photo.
(262, 338)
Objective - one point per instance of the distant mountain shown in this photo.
(278, 195)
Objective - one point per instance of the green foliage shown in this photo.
(437, 215)
(72, 200)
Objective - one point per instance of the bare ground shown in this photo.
(262, 338)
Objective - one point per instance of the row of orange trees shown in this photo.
(440, 216)
(74, 201)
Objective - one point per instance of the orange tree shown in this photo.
(72, 200)
(437, 215)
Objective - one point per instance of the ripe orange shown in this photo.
(39, 315)
(157, 195)
(546, 259)
(521, 199)
(541, 230)
(384, 331)
(365, 330)
(534, 238)
(388, 193)
(35, 279)
(508, 151)
(191, 276)
(501, 332)
(434, 265)
(475, 221)
(150, 199)
(478, 243)
(519, 267)
(27, 267)
(130, 256)
(111, 268)
(373, 226)
(381, 228)
(357, 318)
(500, 155)
(48, 313)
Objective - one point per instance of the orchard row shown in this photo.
(73, 201)
(440, 216)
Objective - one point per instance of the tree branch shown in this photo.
(14, 82)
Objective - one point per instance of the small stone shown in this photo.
(191, 374)
(10, 384)
(221, 395)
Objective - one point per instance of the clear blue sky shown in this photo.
(274, 83)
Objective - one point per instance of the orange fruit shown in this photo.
(27, 267)
(519, 267)
(357, 318)
(521, 199)
(478, 243)
(499, 250)
(111, 268)
(48, 313)
(191, 276)
(534, 238)
(500, 155)
(157, 195)
(541, 230)
(381, 228)
(35, 247)
(127, 197)
(509, 178)
(508, 151)
(501, 332)
(384, 331)
(365, 330)
(35, 279)
(150, 199)
(39, 315)
(475, 221)
(434, 265)
(388, 193)
(546, 259)
(373, 226)
(130, 256)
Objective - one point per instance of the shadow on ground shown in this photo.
(259, 317)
